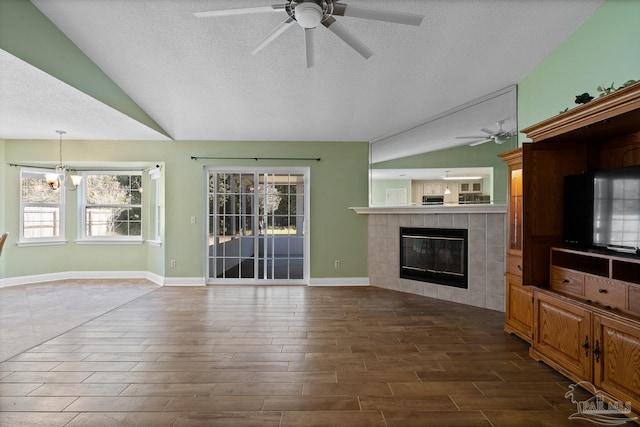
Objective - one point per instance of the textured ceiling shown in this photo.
(197, 79)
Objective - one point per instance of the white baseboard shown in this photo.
(157, 279)
(184, 281)
(340, 281)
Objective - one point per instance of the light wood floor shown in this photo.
(268, 356)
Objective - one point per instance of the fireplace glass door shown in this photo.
(434, 255)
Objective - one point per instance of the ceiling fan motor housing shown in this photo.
(308, 14)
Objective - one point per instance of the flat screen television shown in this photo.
(602, 210)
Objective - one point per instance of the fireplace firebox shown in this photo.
(435, 255)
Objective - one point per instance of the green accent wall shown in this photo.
(604, 49)
(338, 181)
(28, 34)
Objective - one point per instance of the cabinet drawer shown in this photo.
(605, 291)
(567, 281)
(514, 265)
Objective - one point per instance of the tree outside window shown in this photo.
(113, 205)
(42, 208)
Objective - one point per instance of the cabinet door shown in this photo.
(617, 359)
(519, 308)
(433, 189)
(562, 336)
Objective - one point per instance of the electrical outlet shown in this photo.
(173, 263)
(337, 263)
(193, 219)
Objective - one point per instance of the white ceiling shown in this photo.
(196, 78)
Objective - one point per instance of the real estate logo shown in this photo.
(601, 408)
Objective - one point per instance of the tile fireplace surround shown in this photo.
(486, 225)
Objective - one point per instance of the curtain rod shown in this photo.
(86, 169)
(317, 159)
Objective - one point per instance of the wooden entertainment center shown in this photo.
(579, 309)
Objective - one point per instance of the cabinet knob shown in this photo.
(585, 345)
(565, 280)
(519, 267)
(602, 291)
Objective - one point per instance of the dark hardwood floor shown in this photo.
(277, 356)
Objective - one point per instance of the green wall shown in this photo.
(338, 182)
(604, 49)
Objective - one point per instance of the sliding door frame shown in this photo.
(305, 171)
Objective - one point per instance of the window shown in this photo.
(41, 208)
(112, 205)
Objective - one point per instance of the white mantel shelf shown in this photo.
(426, 210)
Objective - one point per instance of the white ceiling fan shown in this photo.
(309, 14)
(499, 137)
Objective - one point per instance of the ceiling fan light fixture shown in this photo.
(308, 14)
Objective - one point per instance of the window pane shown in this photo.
(41, 207)
(136, 197)
(41, 221)
(36, 190)
(113, 205)
(107, 190)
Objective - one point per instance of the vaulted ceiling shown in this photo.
(196, 78)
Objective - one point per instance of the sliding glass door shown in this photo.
(256, 226)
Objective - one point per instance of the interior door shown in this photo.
(256, 226)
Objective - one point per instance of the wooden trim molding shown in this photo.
(624, 102)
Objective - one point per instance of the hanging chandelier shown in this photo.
(62, 175)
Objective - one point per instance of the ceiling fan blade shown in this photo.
(471, 137)
(341, 31)
(309, 34)
(473, 144)
(241, 11)
(274, 34)
(487, 131)
(341, 9)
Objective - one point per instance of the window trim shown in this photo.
(42, 241)
(156, 208)
(82, 205)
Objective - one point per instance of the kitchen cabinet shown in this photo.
(433, 188)
(470, 187)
